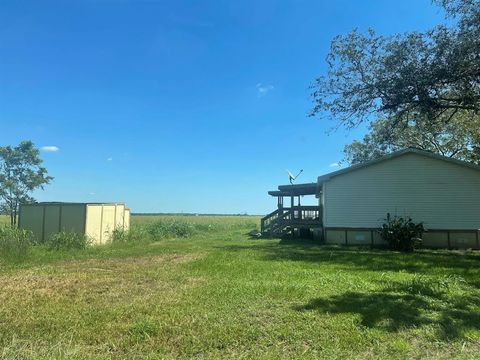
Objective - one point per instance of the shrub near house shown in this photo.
(401, 234)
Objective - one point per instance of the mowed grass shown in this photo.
(220, 294)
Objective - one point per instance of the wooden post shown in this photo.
(280, 211)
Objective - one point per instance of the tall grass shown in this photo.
(65, 240)
(204, 223)
(147, 228)
(4, 220)
(154, 231)
(14, 243)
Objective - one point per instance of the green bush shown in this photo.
(15, 243)
(67, 241)
(401, 234)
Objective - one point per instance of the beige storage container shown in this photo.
(96, 220)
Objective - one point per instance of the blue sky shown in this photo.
(171, 106)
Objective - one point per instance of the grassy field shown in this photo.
(220, 294)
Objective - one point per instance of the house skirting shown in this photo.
(433, 238)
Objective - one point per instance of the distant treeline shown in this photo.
(188, 214)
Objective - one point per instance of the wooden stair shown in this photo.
(283, 220)
(275, 223)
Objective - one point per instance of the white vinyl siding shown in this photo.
(442, 194)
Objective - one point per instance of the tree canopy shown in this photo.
(21, 172)
(459, 138)
(432, 76)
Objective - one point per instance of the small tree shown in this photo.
(20, 173)
(401, 234)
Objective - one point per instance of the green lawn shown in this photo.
(220, 294)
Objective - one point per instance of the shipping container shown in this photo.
(96, 220)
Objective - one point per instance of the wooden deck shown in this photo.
(283, 220)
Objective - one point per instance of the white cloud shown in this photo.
(109, 159)
(335, 164)
(49, 149)
(91, 193)
(263, 90)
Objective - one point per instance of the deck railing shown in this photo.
(306, 213)
(279, 219)
(267, 221)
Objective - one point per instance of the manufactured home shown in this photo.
(96, 220)
(441, 192)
